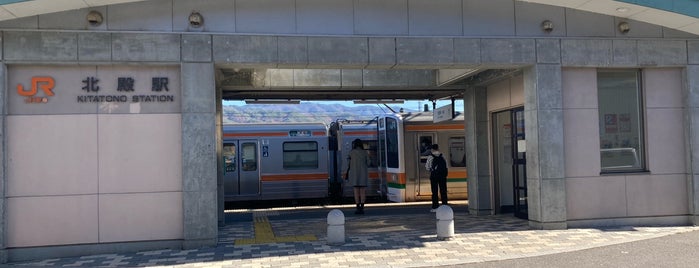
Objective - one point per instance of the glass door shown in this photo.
(519, 167)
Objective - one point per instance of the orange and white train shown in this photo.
(304, 161)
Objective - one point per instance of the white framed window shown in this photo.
(621, 121)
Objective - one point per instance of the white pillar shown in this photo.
(445, 222)
(336, 227)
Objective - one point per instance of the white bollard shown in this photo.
(336, 227)
(445, 223)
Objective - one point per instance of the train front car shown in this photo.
(275, 161)
(404, 142)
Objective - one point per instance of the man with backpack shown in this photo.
(437, 166)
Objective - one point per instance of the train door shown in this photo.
(425, 140)
(241, 169)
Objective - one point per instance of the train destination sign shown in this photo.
(95, 89)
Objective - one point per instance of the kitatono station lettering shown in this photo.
(125, 98)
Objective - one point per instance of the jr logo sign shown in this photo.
(45, 83)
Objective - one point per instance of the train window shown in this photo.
(370, 147)
(457, 155)
(249, 156)
(229, 162)
(382, 146)
(300, 155)
(392, 143)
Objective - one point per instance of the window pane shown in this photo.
(300, 155)
(249, 156)
(371, 147)
(229, 161)
(392, 142)
(457, 155)
(620, 121)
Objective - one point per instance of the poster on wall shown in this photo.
(625, 122)
(610, 123)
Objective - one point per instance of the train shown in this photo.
(309, 160)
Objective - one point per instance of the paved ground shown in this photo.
(386, 236)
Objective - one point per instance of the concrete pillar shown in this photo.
(543, 123)
(3, 101)
(199, 174)
(477, 154)
(691, 77)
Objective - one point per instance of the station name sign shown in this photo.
(96, 89)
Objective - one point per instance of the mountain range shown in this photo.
(296, 113)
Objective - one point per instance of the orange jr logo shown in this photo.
(45, 83)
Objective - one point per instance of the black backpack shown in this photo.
(439, 166)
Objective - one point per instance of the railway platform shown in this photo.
(388, 235)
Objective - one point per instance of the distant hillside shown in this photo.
(304, 112)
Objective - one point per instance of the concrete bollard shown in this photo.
(336, 227)
(445, 223)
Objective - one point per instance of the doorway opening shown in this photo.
(510, 163)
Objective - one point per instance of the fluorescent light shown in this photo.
(272, 101)
(378, 101)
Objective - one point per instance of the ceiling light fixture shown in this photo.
(94, 18)
(547, 26)
(624, 27)
(378, 101)
(196, 20)
(272, 101)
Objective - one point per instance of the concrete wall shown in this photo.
(660, 192)
(113, 169)
(349, 17)
(506, 94)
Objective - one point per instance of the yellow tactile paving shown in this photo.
(264, 234)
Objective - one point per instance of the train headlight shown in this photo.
(394, 177)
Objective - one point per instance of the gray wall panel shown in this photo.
(382, 52)
(508, 51)
(152, 15)
(253, 50)
(582, 23)
(425, 51)
(662, 52)
(265, 16)
(494, 18)
(435, 18)
(467, 52)
(22, 23)
(145, 47)
(293, 51)
(333, 51)
(625, 52)
(324, 17)
(392, 15)
(45, 46)
(586, 52)
(548, 51)
(196, 48)
(94, 46)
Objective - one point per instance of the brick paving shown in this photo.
(387, 236)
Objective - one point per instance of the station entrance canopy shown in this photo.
(682, 15)
(353, 84)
